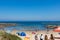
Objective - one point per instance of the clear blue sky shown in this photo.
(29, 10)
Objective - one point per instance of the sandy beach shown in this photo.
(31, 36)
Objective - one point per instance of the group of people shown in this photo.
(44, 37)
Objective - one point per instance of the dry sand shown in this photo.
(31, 36)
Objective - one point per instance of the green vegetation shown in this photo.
(6, 36)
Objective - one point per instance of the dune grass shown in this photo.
(6, 36)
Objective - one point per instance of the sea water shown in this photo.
(31, 25)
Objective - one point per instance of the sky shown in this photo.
(29, 10)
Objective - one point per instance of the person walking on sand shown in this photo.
(36, 37)
(41, 37)
(51, 37)
(46, 38)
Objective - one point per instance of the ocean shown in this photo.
(30, 25)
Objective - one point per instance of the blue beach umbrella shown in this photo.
(21, 34)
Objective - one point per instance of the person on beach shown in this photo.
(51, 37)
(46, 38)
(36, 37)
(41, 37)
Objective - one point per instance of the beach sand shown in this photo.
(32, 36)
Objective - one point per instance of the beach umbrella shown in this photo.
(57, 29)
(22, 34)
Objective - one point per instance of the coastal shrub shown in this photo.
(7, 36)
